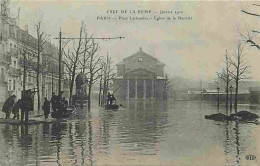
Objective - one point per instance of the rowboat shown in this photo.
(63, 113)
(112, 107)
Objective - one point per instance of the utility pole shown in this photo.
(24, 71)
(60, 59)
(52, 81)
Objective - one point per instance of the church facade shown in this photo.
(140, 76)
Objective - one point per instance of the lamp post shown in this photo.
(218, 96)
(231, 87)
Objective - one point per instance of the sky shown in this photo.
(193, 49)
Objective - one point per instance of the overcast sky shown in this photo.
(189, 48)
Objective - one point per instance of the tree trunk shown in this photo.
(38, 67)
(100, 87)
(37, 78)
(227, 95)
(105, 91)
(89, 93)
(90, 80)
(71, 86)
(38, 90)
(236, 96)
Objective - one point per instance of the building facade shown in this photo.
(18, 51)
(140, 76)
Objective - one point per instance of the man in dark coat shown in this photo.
(16, 108)
(108, 98)
(46, 108)
(54, 102)
(26, 105)
(112, 99)
(8, 105)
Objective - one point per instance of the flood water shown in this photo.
(164, 133)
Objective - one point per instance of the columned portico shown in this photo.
(140, 76)
(139, 88)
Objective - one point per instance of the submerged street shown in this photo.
(167, 133)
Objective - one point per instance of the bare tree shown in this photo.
(25, 63)
(73, 58)
(100, 85)
(108, 75)
(84, 62)
(42, 38)
(241, 69)
(250, 35)
(95, 65)
(225, 76)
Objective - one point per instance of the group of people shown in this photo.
(12, 106)
(111, 100)
(58, 103)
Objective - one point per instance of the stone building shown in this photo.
(140, 76)
(14, 44)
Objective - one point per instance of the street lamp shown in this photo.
(218, 96)
(231, 87)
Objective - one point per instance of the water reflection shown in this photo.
(237, 144)
(232, 128)
(141, 127)
(170, 131)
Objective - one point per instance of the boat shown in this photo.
(112, 107)
(63, 114)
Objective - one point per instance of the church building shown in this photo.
(140, 76)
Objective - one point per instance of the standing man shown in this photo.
(16, 108)
(54, 102)
(8, 105)
(46, 108)
(26, 105)
(108, 98)
(112, 100)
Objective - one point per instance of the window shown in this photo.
(15, 63)
(14, 82)
(140, 59)
(10, 85)
(29, 77)
(2, 74)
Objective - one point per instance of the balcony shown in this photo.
(5, 58)
(13, 53)
(14, 72)
(3, 78)
(3, 34)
